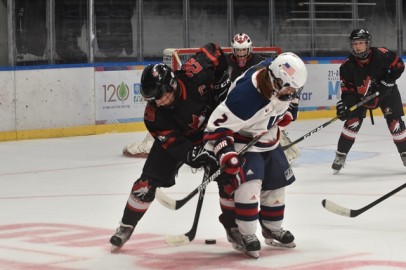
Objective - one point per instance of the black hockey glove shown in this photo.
(342, 112)
(198, 157)
(385, 88)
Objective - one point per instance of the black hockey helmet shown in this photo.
(361, 34)
(156, 80)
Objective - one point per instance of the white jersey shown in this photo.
(246, 113)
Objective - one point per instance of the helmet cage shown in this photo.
(279, 84)
(241, 42)
(288, 75)
(361, 35)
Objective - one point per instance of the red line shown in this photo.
(67, 169)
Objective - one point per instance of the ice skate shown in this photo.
(403, 157)
(245, 246)
(280, 238)
(235, 238)
(251, 245)
(339, 162)
(123, 233)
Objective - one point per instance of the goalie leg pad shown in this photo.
(291, 153)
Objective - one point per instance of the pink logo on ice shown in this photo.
(63, 246)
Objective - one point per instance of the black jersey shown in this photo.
(181, 126)
(356, 77)
(235, 70)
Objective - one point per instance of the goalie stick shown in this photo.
(177, 240)
(351, 109)
(176, 204)
(346, 212)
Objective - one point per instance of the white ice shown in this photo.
(61, 200)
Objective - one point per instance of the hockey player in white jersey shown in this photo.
(265, 97)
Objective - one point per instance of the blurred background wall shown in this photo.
(36, 32)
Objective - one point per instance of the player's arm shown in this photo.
(349, 95)
(216, 59)
(394, 70)
(395, 65)
(164, 130)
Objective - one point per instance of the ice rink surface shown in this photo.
(61, 200)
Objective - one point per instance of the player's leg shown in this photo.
(247, 198)
(159, 170)
(278, 174)
(347, 138)
(392, 109)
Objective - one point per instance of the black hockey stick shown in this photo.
(176, 204)
(177, 240)
(346, 212)
(353, 108)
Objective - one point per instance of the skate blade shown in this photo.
(272, 243)
(238, 247)
(252, 254)
(336, 172)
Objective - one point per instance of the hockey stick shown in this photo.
(177, 240)
(176, 204)
(346, 212)
(351, 109)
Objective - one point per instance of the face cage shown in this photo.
(361, 55)
(247, 52)
(280, 85)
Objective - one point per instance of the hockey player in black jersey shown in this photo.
(178, 108)
(367, 70)
(242, 57)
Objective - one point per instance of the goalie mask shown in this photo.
(288, 75)
(156, 80)
(242, 48)
(360, 35)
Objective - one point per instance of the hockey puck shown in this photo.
(210, 241)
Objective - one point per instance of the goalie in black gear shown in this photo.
(367, 70)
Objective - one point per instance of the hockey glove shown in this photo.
(386, 88)
(225, 153)
(290, 115)
(342, 112)
(198, 157)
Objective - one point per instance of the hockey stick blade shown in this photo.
(308, 134)
(165, 200)
(346, 212)
(178, 240)
(177, 204)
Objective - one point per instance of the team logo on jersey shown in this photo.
(202, 90)
(197, 121)
(363, 89)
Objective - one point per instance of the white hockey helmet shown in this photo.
(289, 69)
(241, 42)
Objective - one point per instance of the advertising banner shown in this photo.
(118, 97)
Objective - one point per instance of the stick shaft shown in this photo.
(308, 134)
